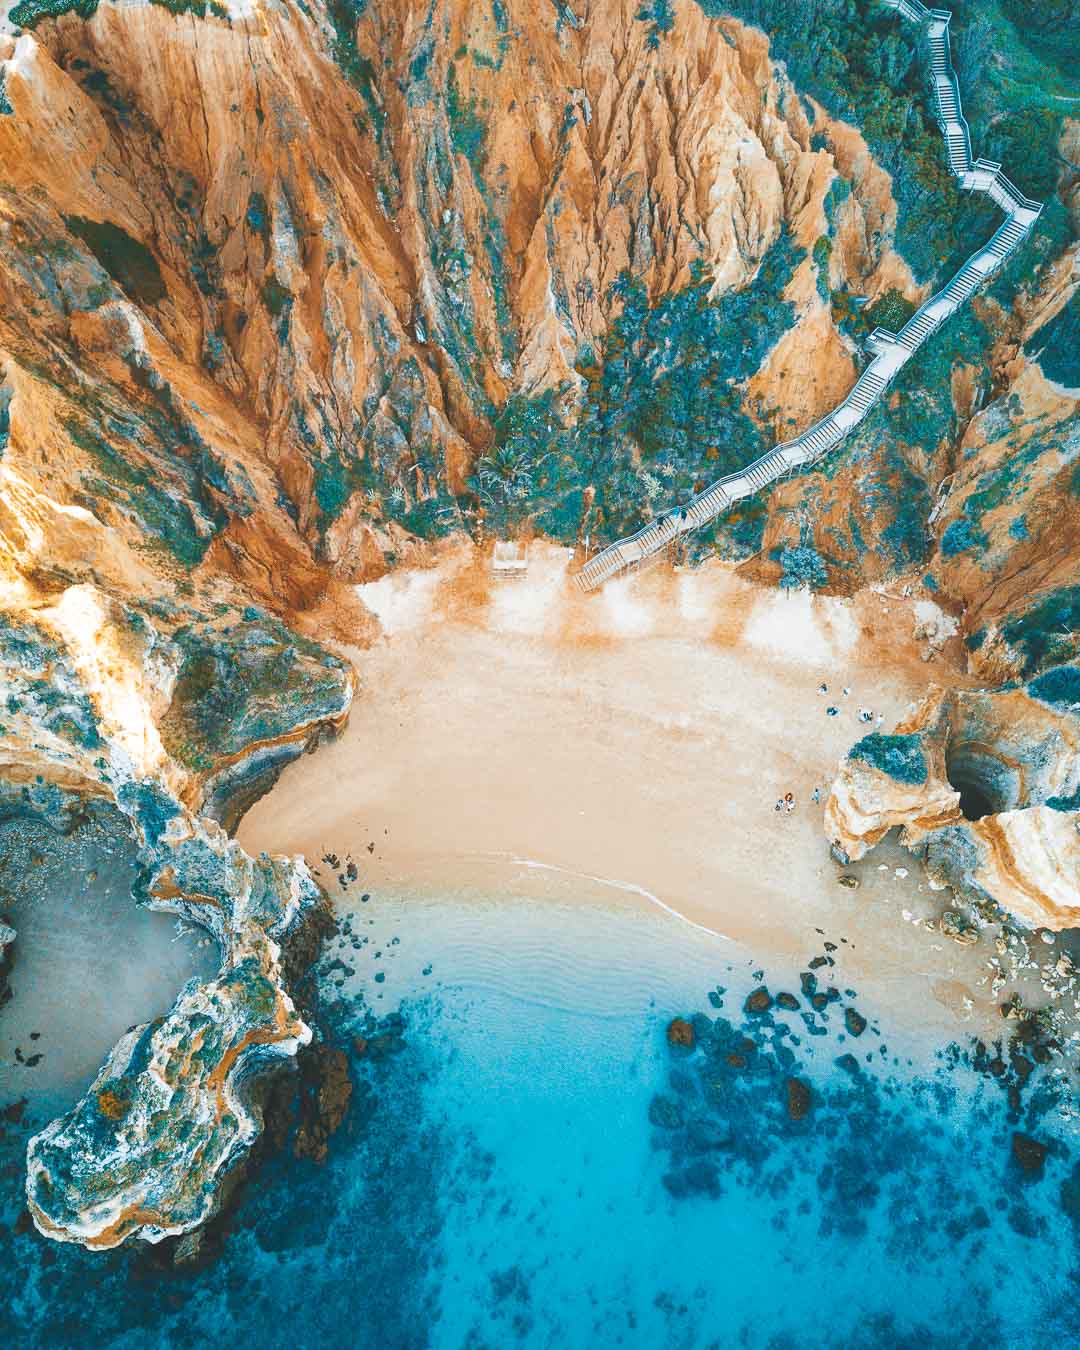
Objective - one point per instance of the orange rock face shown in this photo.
(981, 785)
(333, 273)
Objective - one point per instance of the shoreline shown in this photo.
(517, 723)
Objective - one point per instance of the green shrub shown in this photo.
(467, 131)
(1060, 686)
(130, 264)
(29, 13)
(1056, 345)
(891, 311)
(901, 757)
(276, 297)
(1047, 633)
(660, 17)
(859, 61)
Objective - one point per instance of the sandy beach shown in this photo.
(630, 747)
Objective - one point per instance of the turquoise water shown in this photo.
(528, 1163)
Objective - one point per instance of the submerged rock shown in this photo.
(665, 1113)
(324, 1100)
(788, 1002)
(1070, 1195)
(7, 953)
(1029, 1153)
(799, 1098)
(704, 1135)
(854, 1021)
(680, 1033)
(759, 1001)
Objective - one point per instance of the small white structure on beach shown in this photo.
(510, 558)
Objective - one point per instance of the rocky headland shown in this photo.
(290, 295)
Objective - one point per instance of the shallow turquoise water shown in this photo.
(529, 1164)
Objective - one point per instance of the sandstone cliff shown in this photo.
(986, 786)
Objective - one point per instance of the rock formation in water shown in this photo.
(171, 1112)
(290, 293)
(7, 954)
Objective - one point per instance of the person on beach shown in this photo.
(789, 801)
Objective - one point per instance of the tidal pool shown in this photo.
(89, 962)
(528, 1162)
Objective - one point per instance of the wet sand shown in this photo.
(515, 736)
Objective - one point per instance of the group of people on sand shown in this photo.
(786, 802)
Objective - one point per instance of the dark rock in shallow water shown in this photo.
(788, 1002)
(854, 1021)
(849, 1064)
(680, 1033)
(809, 984)
(324, 1100)
(819, 1001)
(1070, 1196)
(759, 1001)
(703, 1135)
(699, 1178)
(12, 1114)
(665, 1113)
(683, 1083)
(799, 1098)
(702, 1028)
(1029, 1153)
(1028, 1224)
(818, 962)
(785, 1056)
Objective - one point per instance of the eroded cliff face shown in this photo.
(305, 263)
(87, 681)
(288, 293)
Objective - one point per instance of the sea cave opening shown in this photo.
(986, 785)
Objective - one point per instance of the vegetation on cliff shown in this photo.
(247, 683)
(901, 757)
(862, 66)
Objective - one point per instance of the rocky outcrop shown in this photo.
(171, 1112)
(89, 683)
(986, 786)
(7, 955)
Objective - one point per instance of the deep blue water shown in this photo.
(528, 1163)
